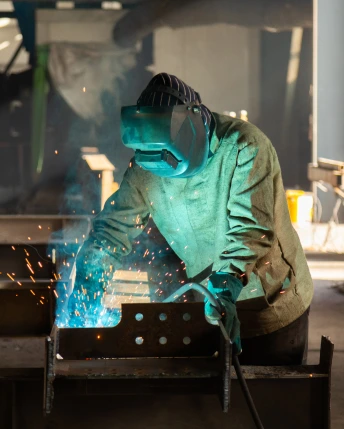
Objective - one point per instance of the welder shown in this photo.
(213, 186)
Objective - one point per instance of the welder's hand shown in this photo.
(226, 289)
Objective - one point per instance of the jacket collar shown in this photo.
(215, 140)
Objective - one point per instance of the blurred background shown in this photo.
(66, 68)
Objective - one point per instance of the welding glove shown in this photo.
(226, 289)
(93, 273)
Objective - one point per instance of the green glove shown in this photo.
(93, 272)
(226, 288)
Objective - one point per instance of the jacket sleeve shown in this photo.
(123, 218)
(250, 210)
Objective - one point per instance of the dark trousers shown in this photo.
(287, 346)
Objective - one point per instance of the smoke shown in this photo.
(82, 73)
(95, 81)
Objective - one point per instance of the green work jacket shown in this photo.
(233, 217)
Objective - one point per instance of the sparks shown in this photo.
(13, 248)
(30, 268)
(55, 293)
(10, 277)
(32, 279)
(33, 293)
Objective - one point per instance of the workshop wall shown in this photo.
(221, 62)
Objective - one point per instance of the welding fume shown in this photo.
(213, 186)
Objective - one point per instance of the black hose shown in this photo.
(247, 394)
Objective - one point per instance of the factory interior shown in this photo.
(66, 70)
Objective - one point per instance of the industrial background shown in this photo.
(66, 68)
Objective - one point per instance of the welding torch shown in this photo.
(217, 304)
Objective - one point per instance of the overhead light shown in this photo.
(4, 22)
(243, 115)
(271, 29)
(228, 113)
(4, 45)
(65, 5)
(112, 5)
(18, 37)
(6, 6)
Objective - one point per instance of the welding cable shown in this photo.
(246, 392)
(204, 291)
(197, 287)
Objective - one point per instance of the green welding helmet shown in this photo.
(169, 141)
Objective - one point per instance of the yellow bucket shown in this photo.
(300, 205)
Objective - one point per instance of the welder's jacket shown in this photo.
(233, 217)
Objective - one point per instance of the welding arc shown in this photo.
(246, 392)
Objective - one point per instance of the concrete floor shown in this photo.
(327, 318)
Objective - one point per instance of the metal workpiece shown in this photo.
(20, 261)
(26, 310)
(27, 287)
(42, 229)
(21, 353)
(27, 284)
(145, 330)
(163, 392)
(156, 341)
(164, 380)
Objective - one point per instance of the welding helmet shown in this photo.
(169, 141)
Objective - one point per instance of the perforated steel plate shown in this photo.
(146, 330)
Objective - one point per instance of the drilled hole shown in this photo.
(186, 317)
(186, 340)
(139, 340)
(163, 317)
(162, 340)
(139, 317)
